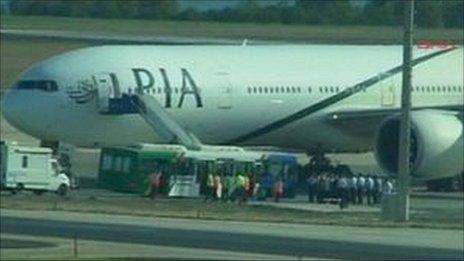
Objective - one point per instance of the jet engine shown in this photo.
(436, 144)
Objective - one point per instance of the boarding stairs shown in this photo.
(154, 115)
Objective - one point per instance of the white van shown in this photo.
(31, 168)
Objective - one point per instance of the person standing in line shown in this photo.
(246, 187)
(225, 189)
(228, 188)
(342, 186)
(360, 186)
(209, 187)
(240, 187)
(377, 189)
(327, 183)
(217, 187)
(312, 187)
(333, 186)
(352, 185)
(369, 189)
(387, 187)
(278, 189)
(155, 183)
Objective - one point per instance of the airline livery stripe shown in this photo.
(333, 99)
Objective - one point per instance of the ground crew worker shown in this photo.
(278, 189)
(369, 189)
(360, 186)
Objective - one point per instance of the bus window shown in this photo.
(126, 164)
(24, 162)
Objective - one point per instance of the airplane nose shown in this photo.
(10, 107)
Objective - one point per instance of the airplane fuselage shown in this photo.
(281, 96)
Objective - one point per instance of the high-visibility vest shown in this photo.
(240, 181)
(210, 181)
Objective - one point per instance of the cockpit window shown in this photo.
(48, 86)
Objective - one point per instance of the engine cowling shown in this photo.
(436, 144)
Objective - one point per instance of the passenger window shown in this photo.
(309, 89)
(260, 90)
(265, 89)
(298, 89)
(271, 90)
(288, 89)
(282, 89)
(24, 162)
(454, 88)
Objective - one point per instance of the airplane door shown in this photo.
(388, 94)
(107, 88)
(225, 91)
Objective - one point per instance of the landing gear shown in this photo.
(319, 163)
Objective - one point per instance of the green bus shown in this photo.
(127, 169)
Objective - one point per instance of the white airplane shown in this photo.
(334, 98)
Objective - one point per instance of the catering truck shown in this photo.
(30, 168)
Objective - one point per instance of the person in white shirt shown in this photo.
(352, 185)
(369, 189)
(360, 186)
(377, 189)
(342, 187)
(387, 187)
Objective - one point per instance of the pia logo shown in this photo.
(83, 92)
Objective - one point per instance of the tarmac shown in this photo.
(101, 235)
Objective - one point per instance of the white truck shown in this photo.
(30, 168)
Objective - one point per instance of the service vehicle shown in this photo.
(31, 168)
